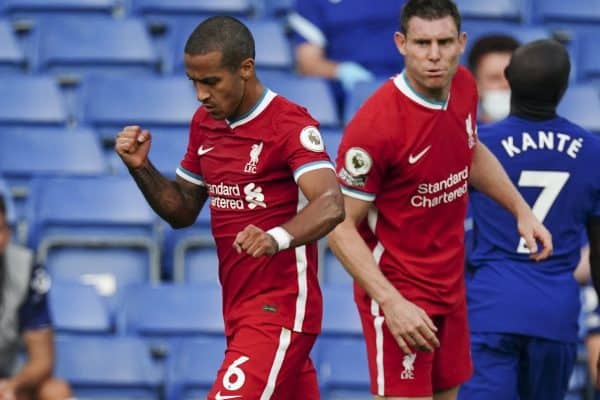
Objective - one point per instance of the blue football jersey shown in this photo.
(555, 164)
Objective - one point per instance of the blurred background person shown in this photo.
(24, 317)
(346, 41)
(487, 60)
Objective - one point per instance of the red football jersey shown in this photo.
(411, 158)
(250, 167)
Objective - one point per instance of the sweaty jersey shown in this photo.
(554, 164)
(411, 157)
(250, 167)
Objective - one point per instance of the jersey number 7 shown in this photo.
(552, 183)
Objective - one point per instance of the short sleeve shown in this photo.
(303, 147)
(189, 168)
(308, 24)
(361, 160)
(33, 313)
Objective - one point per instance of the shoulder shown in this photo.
(289, 117)
(464, 79)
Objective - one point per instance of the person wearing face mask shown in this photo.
(487, 59)
(523, 315)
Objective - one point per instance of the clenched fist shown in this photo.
(133, 146)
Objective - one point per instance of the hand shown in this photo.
(531, 230)
(7, 391)
(410, 325)
(133, 146)
(255, 242)
(350, 73)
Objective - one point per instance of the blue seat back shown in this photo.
(12, 59)
(171, 310)
(193, 366)
(75, 47)
(506, 10)
(107, 367)
(87, 315)
(340, 316)
(343, 367)
(580, 104)
(11, 217)
(110, 103)
(361, 92)
(31, 101)
(309, 92)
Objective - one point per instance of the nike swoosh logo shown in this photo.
(413, 159)
(219, 396)
(202, 151)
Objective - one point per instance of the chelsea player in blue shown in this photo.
(522, 313)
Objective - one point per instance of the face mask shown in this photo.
(495, 104)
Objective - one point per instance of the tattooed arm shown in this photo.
(177, 202)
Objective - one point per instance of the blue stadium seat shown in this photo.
(507, 10)
(272, 47)
(334, 272)
(73, 47)
(31, 101)
(12, 59)
(96, 230)
(278, 7)
(192, 368)
(24, 154)
(340, 316)
(11, 215)
(309, 92)
(44, 8)
(581, 104)
(572, 11)
(154, 103)
(166, 152)
(187, 7)
(589, 55)
(78, 309)
(189, 254)
(108, 367)
(342, 366)
(361, 92)
(332, 139)
(171, 310)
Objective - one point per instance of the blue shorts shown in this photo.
(511, 366)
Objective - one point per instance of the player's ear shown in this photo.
(247, 69)
(400, 41)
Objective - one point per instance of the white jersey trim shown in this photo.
(258, 108)
(312, 166)
(401, 82)
(301, 267)
(307, 30)
(285, 339)
(188, 176)
(356, 194)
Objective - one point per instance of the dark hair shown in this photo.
(223, 34)
(495, 43)
(2, 205)
(429, 10)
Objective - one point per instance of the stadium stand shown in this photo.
(108, 367)
(581, 105)
(70, 48)
(12, 59)
(310, 92)
(498, 10)
(94, 230)
(192, 367)
(189, 254)
(110, 103)
(86, 316)
(43, 9)
(11, 215)
(74, 152)
(31, 101)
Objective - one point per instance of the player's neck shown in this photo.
(253, 93)
(532, 109)
(434, 95)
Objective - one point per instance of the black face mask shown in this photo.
(538, 75)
